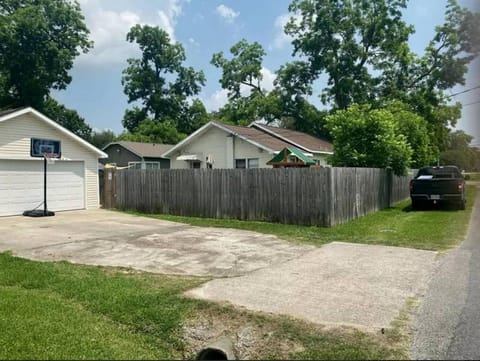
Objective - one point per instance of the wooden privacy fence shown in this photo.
(321, 196)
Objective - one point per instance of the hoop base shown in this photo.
(39, 213)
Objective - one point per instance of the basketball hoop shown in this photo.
(50, 157)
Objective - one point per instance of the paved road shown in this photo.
(448, 321)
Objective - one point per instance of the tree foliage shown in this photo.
(67, 118)
(346, 40)
(162, 85)
(101, 138)
(366, 137)
(460, 153)
(39, 40)
(362, 48)
(151, 131)
(249, 100)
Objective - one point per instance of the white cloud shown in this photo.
(268, 79)
(217, 100)
(281, 39)
(108, 29)
(227, 13)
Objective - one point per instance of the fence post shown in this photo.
(389, 187)
(331, 198)
(109, 188)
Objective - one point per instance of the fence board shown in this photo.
(321, 196)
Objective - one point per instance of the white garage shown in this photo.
(72, 180)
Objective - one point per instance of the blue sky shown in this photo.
(205, 27)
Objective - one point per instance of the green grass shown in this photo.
(66, 311)
(58, 310)
(396, 226)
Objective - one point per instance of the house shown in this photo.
(137, 155)
(218, 145)
(72, 180)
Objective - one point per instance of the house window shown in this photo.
(196, 165)
(240, 163)
(253, 163)
(144, 165)
(246, 163)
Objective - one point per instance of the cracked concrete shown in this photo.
(108, 238)
(340, 283)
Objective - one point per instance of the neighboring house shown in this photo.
(72, 180)
(137, 155)
(217, 145)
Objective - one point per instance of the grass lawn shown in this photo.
(66, 311)
(435, 229)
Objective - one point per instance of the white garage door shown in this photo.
(21, 186)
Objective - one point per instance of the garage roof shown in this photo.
(11, 114)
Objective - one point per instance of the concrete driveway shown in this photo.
(107, 238)
(339, 283)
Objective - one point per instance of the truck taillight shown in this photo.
(411, 185)
(460, 186)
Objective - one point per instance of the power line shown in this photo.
(472, 103)
(465, 91)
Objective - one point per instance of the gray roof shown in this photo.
(147, 150)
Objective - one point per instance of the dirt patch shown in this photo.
(264, 336)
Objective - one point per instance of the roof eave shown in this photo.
(204, 129)
(57, 126)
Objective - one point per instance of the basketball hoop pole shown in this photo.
(45, 186)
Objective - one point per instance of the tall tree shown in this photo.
(346, 40)
(362, 48)
(248, 100)
(159, 81)
(39, 40)
(242, 78)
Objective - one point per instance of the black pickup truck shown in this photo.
(438, 184)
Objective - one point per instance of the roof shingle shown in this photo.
(301, 139)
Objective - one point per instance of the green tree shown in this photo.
(67, 118)
(460, 153)
(249, 101)
(415, 130)
(39, 40)
(366, 137)
(101, 138)
(346, 40)
(362, 48)
(159, 81)
(242, 77)
(151, 131)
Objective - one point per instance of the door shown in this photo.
(21, 186)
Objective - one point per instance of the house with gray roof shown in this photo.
(137, 155)
(218, 145)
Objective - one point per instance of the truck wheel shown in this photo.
(415, 204)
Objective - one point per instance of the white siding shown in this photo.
(218, 143)
(15, 137)
(213, 142)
